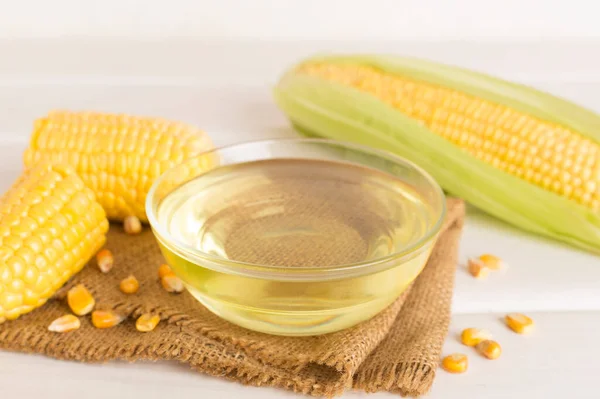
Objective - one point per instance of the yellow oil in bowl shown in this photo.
(298, 245)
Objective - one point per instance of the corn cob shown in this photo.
(50, 226)
(117, 156)
(524, 156)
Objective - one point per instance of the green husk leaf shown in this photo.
(334, 111)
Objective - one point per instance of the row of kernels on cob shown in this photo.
(81, 169)
(117, 156)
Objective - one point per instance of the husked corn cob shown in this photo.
(525, 156)
(117, 156)
(50, 226)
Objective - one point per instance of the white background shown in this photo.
(213, 63)
(302, 19)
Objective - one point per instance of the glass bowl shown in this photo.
(305, 299)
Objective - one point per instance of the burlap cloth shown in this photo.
(398, 350)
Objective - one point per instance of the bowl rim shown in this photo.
(246, 268)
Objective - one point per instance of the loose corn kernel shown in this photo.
(105, 260)
(106, 318)
(80, 300)
(172, 283)
(455, 363)
(491, 261)
(129, 285)
(473, 336)
(519, 323)
(65, 323)
(132, 225)
(146, 322)
(164, 270)
(490, 349)
(477, 268)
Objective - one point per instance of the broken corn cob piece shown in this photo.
(525, 156)
(117, 156)
(50, 226)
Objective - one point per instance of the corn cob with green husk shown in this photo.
(525, 156)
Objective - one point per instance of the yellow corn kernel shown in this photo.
(106, 318)
(132, 225)
(519, 323)
(491, 261)
(473, 336)
(80, 300)
(50, 226)
(164, 270)
(477, 268)
(456, 363)
(105, 260)
(172, 283)
(117, 156)
(65, 323)
(490, 349)
(481, 128)
(147, 322)
(129, 285)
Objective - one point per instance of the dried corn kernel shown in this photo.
(473, 336)
(172, 283)
(491, 261)
(65, 323)
(80, 300)
(106, 318)
(164, 270)
(105, 260)
(129, 285)
(455, 363)
(477, 268)
(519, 323)
(147, 322)
(132, 225)
(490, 349)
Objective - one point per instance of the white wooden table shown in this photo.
(225, 88)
